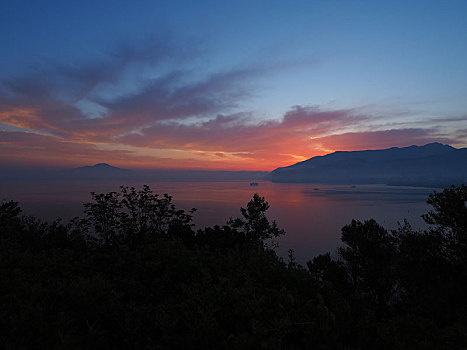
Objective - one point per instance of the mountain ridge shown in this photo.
(433, 165)
(98, 166)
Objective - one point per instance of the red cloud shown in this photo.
(150, 127)
(238, 134)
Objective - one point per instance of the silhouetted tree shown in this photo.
(104, 216)
(135, 215)
(450, 211)
(449, 219)
(368, 257)
(10, 220)
(152, 282)
(254, 224)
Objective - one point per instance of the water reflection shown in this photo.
(311, 214)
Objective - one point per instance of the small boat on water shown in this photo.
(254, 184)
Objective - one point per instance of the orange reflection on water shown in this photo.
(312, 215)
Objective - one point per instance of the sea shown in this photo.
(312, 215)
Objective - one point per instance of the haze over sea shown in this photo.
(311, 214)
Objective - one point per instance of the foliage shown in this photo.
(133, 215)
(134, 274)
(449, 220)
(368, 258)
(450, 211)
(254, 224)
(405, 288)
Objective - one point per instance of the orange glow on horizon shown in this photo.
(214, 145)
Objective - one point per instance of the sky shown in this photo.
(227, 85)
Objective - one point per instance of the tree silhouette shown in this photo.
(368, 257)
(104, 216)
(10, 220)
(134, 215)
(151, 282)
(254, 224)
(449, 216)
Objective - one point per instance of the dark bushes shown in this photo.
(134, 274)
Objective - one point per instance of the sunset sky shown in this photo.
(232, 85)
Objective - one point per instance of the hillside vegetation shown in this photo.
(134, 274)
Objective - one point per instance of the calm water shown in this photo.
(311, 214)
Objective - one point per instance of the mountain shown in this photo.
(100, 167)
(103, 171)
(433, 164)
(97, 171)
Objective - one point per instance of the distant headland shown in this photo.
(431, 165)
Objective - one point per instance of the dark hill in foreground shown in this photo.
(134, 274)
(434, 165)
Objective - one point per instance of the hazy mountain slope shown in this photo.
(433, 164)
(104, 171)
(97, 171)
